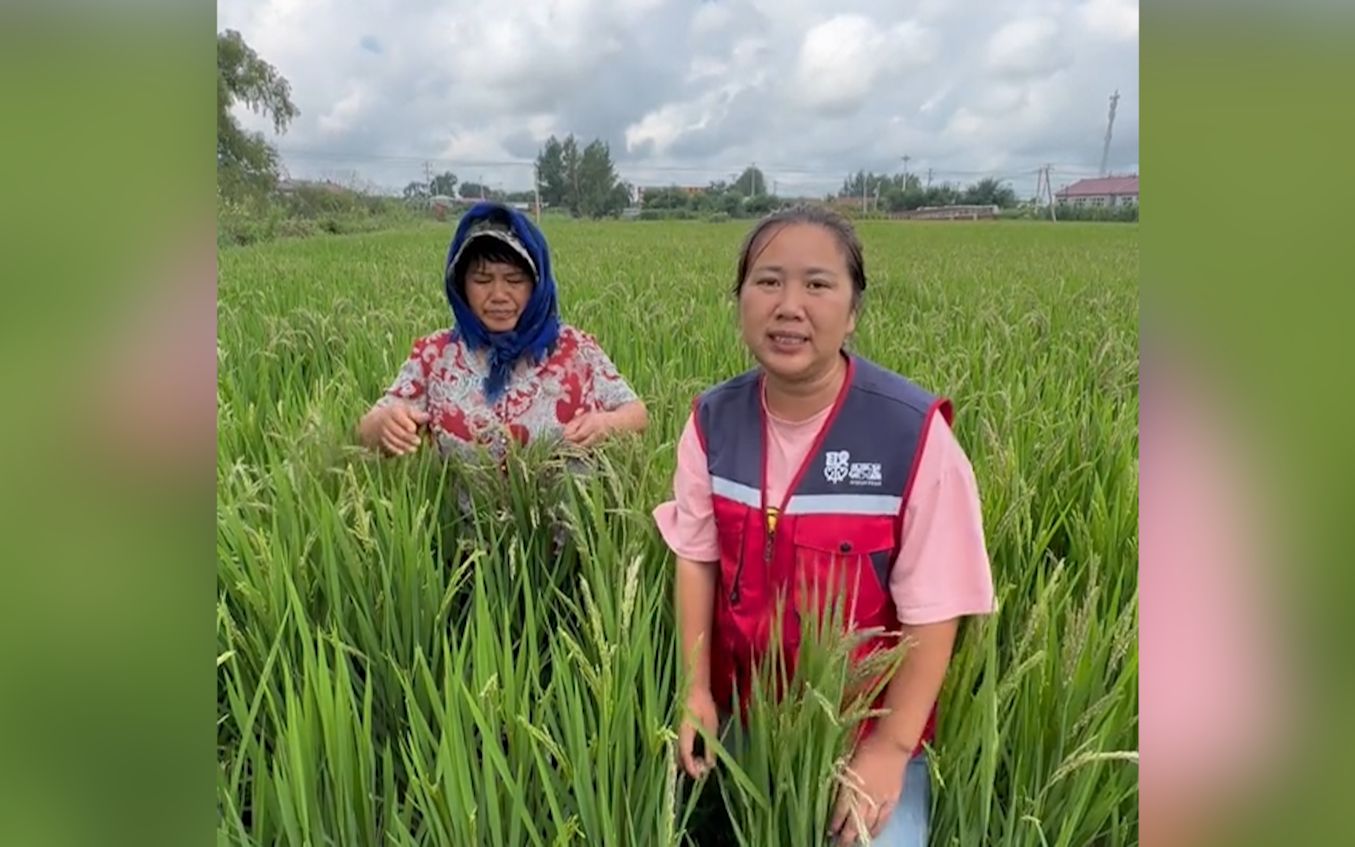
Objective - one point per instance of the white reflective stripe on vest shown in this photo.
(736, 491)
(844, 504)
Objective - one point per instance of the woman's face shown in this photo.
(796, 305)
(497, 293)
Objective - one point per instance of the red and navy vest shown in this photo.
(834, 536)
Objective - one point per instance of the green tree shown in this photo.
(760, 205)
(597, 182)
(570, 161)
(901, 193)
(584, 182)
(550, 172)
(621, 197)
(245, 161)
(944, 194)
(730, 203)
(416, 191)
(751, 182)
(990, 192)
(719, 196)
(876, 186)
(444, 183)
(667, 198)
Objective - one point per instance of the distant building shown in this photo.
(1106, 191)
(950, 213)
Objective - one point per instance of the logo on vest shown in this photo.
(838, 466)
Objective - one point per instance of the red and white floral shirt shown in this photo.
(445, 378)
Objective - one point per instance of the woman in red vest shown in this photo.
(814, 465)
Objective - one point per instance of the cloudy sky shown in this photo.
(686, 91)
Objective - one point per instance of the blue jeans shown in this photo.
(910, 823)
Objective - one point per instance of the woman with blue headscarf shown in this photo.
(507, 370)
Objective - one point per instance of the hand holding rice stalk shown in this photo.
(785, 764)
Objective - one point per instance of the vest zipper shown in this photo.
(738, 572)
(767, 549)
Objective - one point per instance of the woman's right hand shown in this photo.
(700, 711)
(394, 428)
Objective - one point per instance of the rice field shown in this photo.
(392, 671)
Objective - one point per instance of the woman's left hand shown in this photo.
(876, 772)
(588, 428)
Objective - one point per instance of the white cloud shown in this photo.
(666, 125)
(935, 100)
(705, 67)
(1115, 19)
(711, 17)
(474, 144)
(749, 53)
(346, 112)
(1000, 98)
(689, 92)
(1026, 47)
(523, 56)
(1004, 117)
(660, 129)
(663, 127)
(842, 59)
(964, 124)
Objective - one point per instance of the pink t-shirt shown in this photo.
(942, 570)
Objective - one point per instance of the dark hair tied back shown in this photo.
(839, 226)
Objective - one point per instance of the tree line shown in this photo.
(905, 192)
(579, 179)
(748, 195)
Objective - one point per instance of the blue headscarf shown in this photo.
(538, 326)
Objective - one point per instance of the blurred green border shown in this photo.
(1247, 284)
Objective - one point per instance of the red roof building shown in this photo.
(1101, 191)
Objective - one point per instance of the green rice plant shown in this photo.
(420, 652)
(786, 759)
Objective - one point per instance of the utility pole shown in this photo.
(929, 177)
(1048, 187)
(1110, 126)
(536, 187)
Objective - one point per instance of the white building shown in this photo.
(1106, 191)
